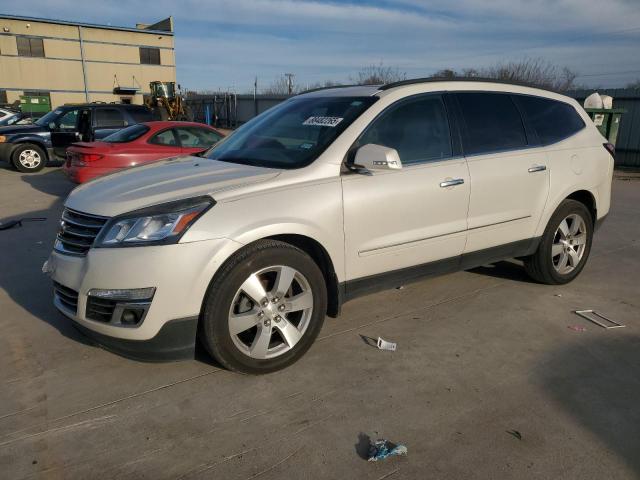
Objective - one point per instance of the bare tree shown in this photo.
(635, 85)
(280, 86)
(534, 71)
(378, 75)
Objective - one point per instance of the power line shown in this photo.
(608, 73)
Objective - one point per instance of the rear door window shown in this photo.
(552, 120)
(109, 118)
(140, 115)
(491, 122)
(417, 128)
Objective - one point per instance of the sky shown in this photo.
(226, 44)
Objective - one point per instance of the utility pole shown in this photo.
(290, 81)
(255, 97)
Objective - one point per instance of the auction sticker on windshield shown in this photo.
(323, 121)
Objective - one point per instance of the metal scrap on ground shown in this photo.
(384, 345)
(597, 318)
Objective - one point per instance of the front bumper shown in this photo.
(180, 273)
(6, 149)
(176, 340)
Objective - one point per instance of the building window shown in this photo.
(30, 47)
(3, 96)
(149, 56)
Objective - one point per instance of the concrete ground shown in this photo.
(487, 382)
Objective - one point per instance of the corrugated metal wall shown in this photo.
(245, 107)
(231, 110)
(628, 143)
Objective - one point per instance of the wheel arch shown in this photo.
(37, 142)
(588, 200)
(582, 195)
(321, 257)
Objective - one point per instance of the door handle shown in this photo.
(452, 182)
(537, 168)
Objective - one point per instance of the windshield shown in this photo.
(52, 116)
(292, 134)
(128, 134)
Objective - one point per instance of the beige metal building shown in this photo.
(79, 62)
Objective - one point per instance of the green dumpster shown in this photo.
(35, 106)
(607, 120)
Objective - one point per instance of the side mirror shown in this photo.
(52, 125)
(377, 157)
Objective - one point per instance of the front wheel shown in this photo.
(28, 158)
(264, 308)
(565, 245)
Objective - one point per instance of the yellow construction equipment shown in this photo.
(167, 103)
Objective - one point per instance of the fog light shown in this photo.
(129, 294)
(132, 316)
(119, 307)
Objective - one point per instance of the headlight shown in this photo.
(157, 225)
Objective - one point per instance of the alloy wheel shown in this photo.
(29, 158)
(270, 312)
(569, 244)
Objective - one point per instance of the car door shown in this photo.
(166, 145)
(196, 139)
(509, 176)
(410, 221)
(65, 131)
(107, 121)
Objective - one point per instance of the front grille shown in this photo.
(100, 309)
(77, 232)
(66, 297)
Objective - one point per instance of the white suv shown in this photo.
(327, 196)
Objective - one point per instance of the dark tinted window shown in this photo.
(30, 47)
(166, 137)
(140, 115)
(492, 122)
(150, 56)
(109, 117)
(128, 134)
(552, 120)
(3, 96)
(417, 128)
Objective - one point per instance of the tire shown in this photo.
(570, 258)
(28, 158)
(287, 324)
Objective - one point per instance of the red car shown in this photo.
(136, 145)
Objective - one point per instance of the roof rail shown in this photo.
(340, 86)
(413, 81)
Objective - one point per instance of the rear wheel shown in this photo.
(28, 158)
(264, 309)
(565, 245)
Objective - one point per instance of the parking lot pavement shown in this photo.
(488, 381)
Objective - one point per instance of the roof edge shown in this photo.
(84, 24)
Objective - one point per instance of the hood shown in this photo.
(13, 129)
(161, 182)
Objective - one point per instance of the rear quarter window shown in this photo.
(491, 121)
(552, 120)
